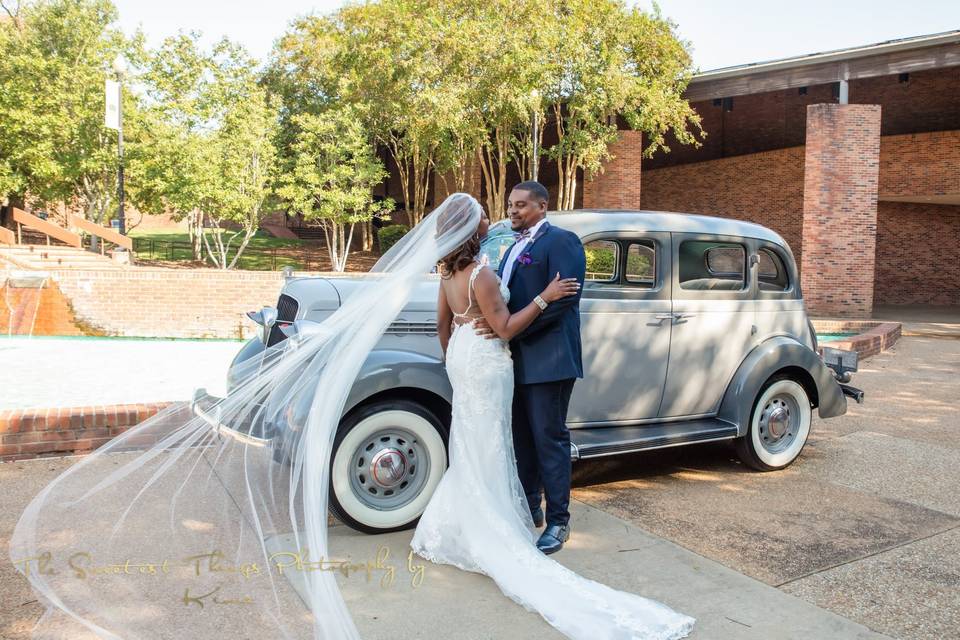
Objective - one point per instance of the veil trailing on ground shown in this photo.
(205, 522)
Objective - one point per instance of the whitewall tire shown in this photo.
(779, 425)
(387, 460)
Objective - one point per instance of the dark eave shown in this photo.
(881, 59)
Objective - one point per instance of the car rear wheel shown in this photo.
(779, 425)
(388, 458)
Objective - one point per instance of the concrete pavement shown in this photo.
(450, 603)
(864, 523)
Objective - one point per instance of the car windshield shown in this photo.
(495, 244)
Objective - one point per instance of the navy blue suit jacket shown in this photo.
(549, 349)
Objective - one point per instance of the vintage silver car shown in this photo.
(694, 330)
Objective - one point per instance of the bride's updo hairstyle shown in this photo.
(457, 212)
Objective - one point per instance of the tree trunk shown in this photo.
(493, 164)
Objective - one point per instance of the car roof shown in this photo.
(586, 222)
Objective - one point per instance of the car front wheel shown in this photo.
(388, 458)
(779, 426)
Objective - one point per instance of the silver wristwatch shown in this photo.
(540, 303)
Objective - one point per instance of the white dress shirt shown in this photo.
(518, 249)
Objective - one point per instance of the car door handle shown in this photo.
(664, 316)
(684, 316)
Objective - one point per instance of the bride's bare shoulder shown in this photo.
(487, 281)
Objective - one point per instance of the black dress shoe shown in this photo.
(537, 515)
(553, 537)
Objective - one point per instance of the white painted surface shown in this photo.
(71, 372)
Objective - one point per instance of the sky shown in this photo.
(722, 33)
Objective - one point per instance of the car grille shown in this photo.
(287, 308)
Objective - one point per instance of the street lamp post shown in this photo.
(120, 67)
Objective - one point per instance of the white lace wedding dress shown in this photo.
(478, 519)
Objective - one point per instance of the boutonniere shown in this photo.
(525, 258)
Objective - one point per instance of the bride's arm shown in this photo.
(444, 320)
(495, 312)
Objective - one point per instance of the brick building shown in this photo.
(852, 155)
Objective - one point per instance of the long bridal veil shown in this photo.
(193, 524)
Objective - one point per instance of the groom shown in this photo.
(546, 357)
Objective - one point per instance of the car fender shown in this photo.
(765, 360)
(387, 369)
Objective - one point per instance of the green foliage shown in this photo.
(55, 58)
(209, 147)
(638, 265)
(442, 85)
(601, 262)
(333, 173)
(390, 235)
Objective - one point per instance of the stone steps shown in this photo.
(55, 257)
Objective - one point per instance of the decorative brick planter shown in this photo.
(37, 433)
(871, 339)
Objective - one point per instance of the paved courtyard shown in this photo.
(866, 523)
(855, 540)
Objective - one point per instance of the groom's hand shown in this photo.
(483, 329)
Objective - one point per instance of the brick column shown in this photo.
(618, 187)
(840, 208)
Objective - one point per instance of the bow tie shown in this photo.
(523, 235)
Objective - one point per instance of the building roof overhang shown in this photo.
(880, 59)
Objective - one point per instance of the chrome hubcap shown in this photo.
(779, 423)
(389, 469)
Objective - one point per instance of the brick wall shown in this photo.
(923, 164)
(175, 303)
(918, 254)
(765, 188)
(618, 185)
(928, 101)
(841, 171)
(35, 433)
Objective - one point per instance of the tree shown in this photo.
(55, 147)
(171, 165)
(608, 63)
(246, 165)
(209, 146)
(506, 68)
(332, 178)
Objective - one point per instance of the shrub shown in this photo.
(389, 235)
(600, 262)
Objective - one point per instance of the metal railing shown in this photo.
(305, 257)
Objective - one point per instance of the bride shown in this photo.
(478, 518)
(187, 526)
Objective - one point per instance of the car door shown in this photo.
(625, 329)
(713, 321)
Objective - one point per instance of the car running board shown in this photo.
(595, 442)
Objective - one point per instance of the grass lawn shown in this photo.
(263, 253)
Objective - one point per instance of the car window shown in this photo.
(641, 262)
(772, 272)
(712, 266)
(602, 259)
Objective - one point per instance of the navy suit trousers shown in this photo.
(542, 445)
